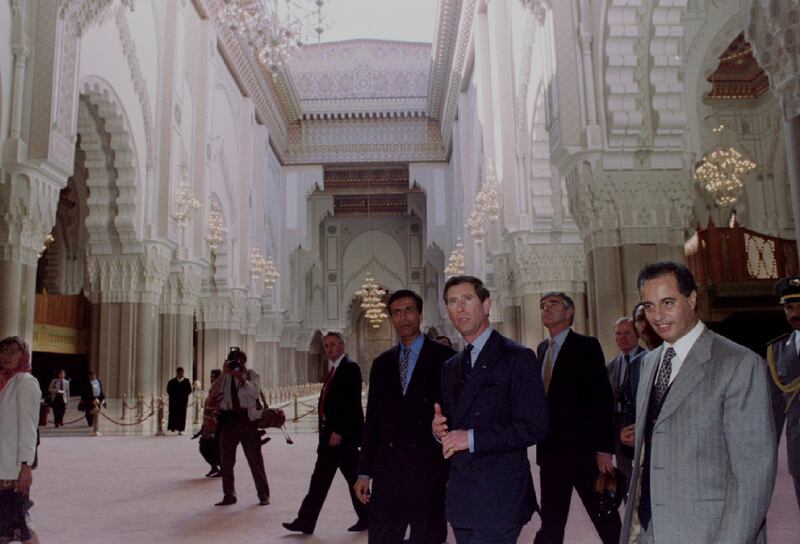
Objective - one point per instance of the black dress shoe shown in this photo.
(361, 525)
(263, 501)
(213, 472)
(295, 526)
(226, 500)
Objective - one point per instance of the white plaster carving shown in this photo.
(359, 69)
(773, 28)
(111, 164)
(139, 84)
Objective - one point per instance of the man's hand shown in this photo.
(361, 488)
(439, 425)
(334, 440)
(604, 463)
(627, 435)
(454, 442)
(24, 480)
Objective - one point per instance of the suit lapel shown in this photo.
(480, 371)
(690, 375)
(647, 374)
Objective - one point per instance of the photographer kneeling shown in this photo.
(237, 399)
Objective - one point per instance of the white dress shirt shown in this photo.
(682, 348)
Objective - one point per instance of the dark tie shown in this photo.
(325, 387)
(662, 381)
(623, 374)
(464, 370)
(405, 352)
(237, 406)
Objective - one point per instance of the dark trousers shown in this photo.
(557, 482)
(209, 449)
(390, 516)
(797, 488)
(59, 408)
(343, 458)
(233, 429)
(88, 408)
(487, 536)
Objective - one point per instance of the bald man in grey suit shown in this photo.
(705, 455)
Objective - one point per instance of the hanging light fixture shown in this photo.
(271, 274)
(257, 263)
(487, 205)
(372, 301)
(185, 201)
(455, 263)
(273, 29)
(370, 292)
(217, 231)
(721, 172)
(49, 239)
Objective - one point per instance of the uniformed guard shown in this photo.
(784, 367)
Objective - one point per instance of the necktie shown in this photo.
(466, 364)
(325, 387)
(465, 369)
(404, 353)
(237, 406)
(662, 381)
(623, 371)
(548, 365)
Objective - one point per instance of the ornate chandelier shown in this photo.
(487, 205)
(273, 29)
(455, 263)
(257, 263)
(49, 239)
(185, 201)
(217, 231)
(721, 172)
(271, 274)
(372, 302)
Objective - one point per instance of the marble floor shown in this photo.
(128, 486)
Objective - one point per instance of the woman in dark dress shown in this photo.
(179, 389)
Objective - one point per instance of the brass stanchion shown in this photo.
(160, 418)
(96, 418)
(124, 405)
(295, 407)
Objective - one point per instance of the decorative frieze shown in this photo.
(613, 209)
(136, 278)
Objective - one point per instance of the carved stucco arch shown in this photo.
(110, 162)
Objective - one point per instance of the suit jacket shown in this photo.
(503, 403)
(787, 365)
(580, 403)
(713, 452)
(615, 365)
(343, 412)
(398, 450)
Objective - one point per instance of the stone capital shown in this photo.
(28, 201)
(617, 208)
(134, 278)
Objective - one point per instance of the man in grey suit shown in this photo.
(784, 366)
(705, 455)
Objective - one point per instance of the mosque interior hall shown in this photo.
(179, 177)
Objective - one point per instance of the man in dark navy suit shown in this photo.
(493, 408)
(341, 421)
(398, 453)
(581, 439)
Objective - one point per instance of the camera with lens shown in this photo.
(236, 359)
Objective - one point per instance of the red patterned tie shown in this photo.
(325, 387)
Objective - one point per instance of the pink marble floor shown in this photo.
(146, 489)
